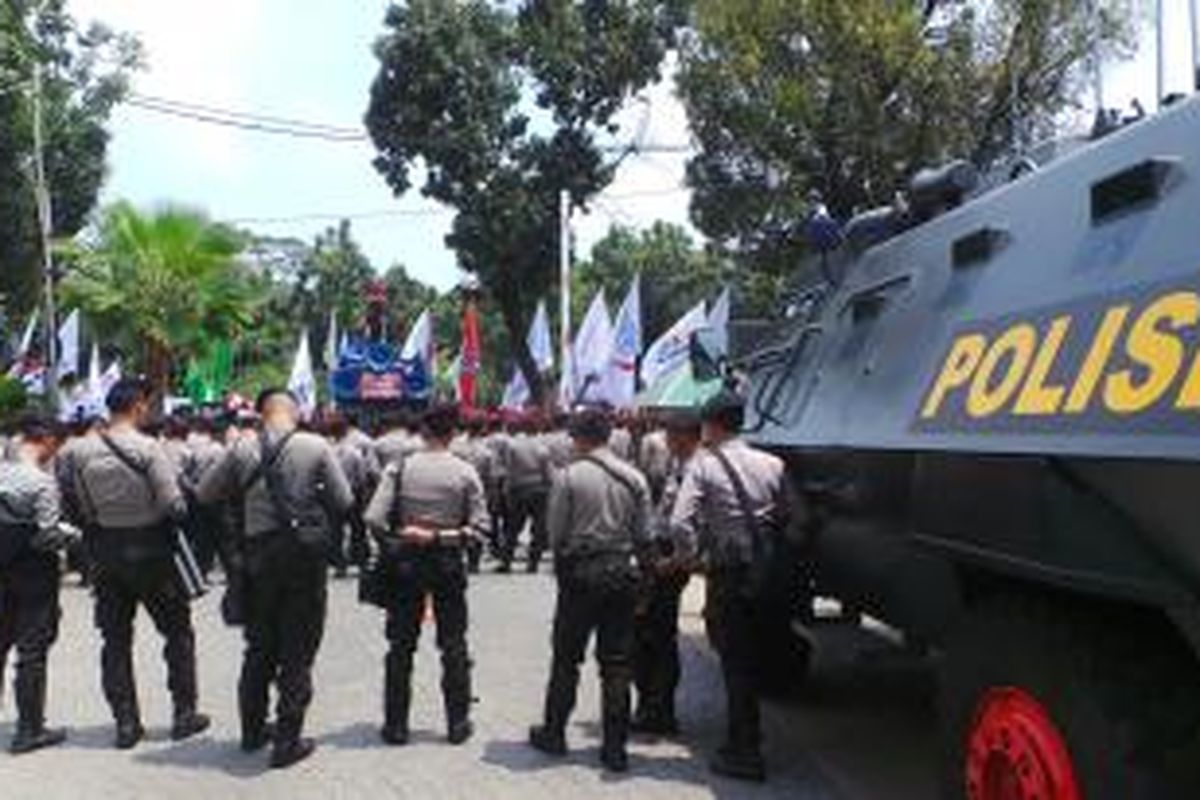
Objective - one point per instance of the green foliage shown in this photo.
(13, 398)
(165, 285)
(452, 93)
(851, 98)
(84, 75)
(332, 276)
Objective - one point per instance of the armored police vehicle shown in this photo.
(992, 404)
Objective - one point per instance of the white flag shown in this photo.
(718, 317)
(27, 336)
(539, 341)
(109, 378)
(593, 349)
(302, 383)
(621, 380)
(419, 343)
(331, 343)
(516, 393)
(671, 350)
(68, 346)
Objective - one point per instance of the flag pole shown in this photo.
(1194, 29)
(564, 276)
(45, 222)
(1160, 32)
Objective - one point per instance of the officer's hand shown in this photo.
(416, 534)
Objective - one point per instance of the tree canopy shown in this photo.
(84, 76)
(503, 108)
(788, 97)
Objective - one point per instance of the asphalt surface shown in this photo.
(863, 730)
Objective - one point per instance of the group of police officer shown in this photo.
(628, 513)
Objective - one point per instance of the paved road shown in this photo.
(864, 732)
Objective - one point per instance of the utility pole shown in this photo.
(45, 224)
(564, 291)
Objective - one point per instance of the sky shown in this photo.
(311, 60)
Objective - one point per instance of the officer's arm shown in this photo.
(478, 519)
(558, 510)
(685, 515)
(53, 533)
(643, 524)
(339, 497)
(378, 513)
(166, 485)
(217, 482)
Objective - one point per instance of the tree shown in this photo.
(166, 285)
(787, 97)
(502, 109)
(84, 77)
(332, 277)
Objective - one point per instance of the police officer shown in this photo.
(527, 475)
(656, 658)
(362, 473)
(725, 481)
(131, 499)
(598, 515)
(422, 532)
(31, 534)
(471, 447)
(403, 437)
(293, 494)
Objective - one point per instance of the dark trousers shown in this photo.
(730, 620)
(29, 615)
(204, 530)
(656, 670)
(525, 506)
(286, 590)
(599, 599)
(119, 590)
(417, 575)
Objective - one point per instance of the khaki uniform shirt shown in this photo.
(112, 495)
(528, 465)
(592, 513)
(620, 441)
(499, 443)
(561, 448)
(475, 452)
(395, 445)
(32, 496)
(311, 480)
(438, 490)
(707, 519)
(355, 466)
(654, 456)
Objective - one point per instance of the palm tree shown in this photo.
(166, 284)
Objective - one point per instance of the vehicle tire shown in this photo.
(1045, 702)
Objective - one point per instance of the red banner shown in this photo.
(469, 366)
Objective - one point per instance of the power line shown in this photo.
(247, 124)
(322, 216)
(200, 108)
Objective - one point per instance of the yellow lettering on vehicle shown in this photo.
(1097, 358)
(960, 364)
(1189, 396)
(1036, 397)
(1014, 349)
(1159, 352)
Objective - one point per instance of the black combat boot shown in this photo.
(397, 696)
(256, 737)
(739, 763)
(615, 703)
(188, 723)
(32, 733)
(550, 737)
(456, 693)
(289, 747)
(129, 733)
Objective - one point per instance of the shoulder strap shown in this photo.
(743, 498)
(629, 485)
(266, 469)
(397, 492)
(267, 459)
(129, 461)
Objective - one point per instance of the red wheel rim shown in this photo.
(1015, 751)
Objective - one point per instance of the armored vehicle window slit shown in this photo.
(977, 247)
(1132, 189)
(868, 304)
